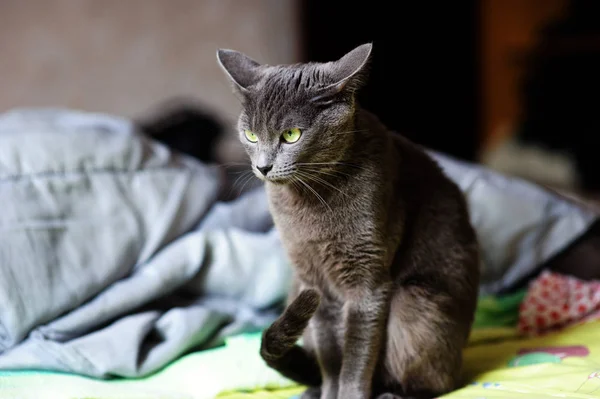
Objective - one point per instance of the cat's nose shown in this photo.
(264, 169)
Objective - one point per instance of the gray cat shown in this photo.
(386, 261)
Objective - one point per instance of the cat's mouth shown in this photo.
(275, 178)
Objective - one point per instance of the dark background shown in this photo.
(463, 76)
(510, 84)
(424, 77)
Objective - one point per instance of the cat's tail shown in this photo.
(279, 348)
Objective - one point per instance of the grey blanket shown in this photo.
(116, 256)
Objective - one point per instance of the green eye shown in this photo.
(250, 136)
(291, 135)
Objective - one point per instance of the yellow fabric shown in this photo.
(495, 370)
(569, 377)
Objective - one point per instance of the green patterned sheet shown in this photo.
(234, 371)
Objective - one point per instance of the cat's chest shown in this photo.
(307, 235)
(320, 241)
(310, 225)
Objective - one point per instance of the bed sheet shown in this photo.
(498, 364)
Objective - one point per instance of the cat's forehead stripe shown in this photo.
(280, 90)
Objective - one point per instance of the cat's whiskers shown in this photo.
(315, 193)
(233, 164)
(245, 176)
(248, 180)
(243, 167)
(294, 183)
(350, 132)
(319, 180)
(331, 163)
(328, 172)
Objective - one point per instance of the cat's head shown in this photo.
(295, 117)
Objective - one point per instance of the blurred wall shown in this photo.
(126, 56)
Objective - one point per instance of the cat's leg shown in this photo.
(311, 393)
(426, 333)
(324, 335)
(394, 396)
(389, 396)
(278, 345)
(364, 312)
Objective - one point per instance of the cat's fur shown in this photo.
(386, 260)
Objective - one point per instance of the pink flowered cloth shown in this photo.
(555, 301)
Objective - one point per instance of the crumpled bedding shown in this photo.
(117, 256)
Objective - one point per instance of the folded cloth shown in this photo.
(520, 225)
(84, 202)
(555, 301)
(106, 239)
(116, 256)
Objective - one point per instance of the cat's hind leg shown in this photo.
(426, 333)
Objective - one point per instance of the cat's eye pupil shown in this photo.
(291, 135)
(251, 137)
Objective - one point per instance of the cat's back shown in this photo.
(411, 174)
(419, 178)
(437, 222)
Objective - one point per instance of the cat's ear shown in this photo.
(349, 72)
(242, 70)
